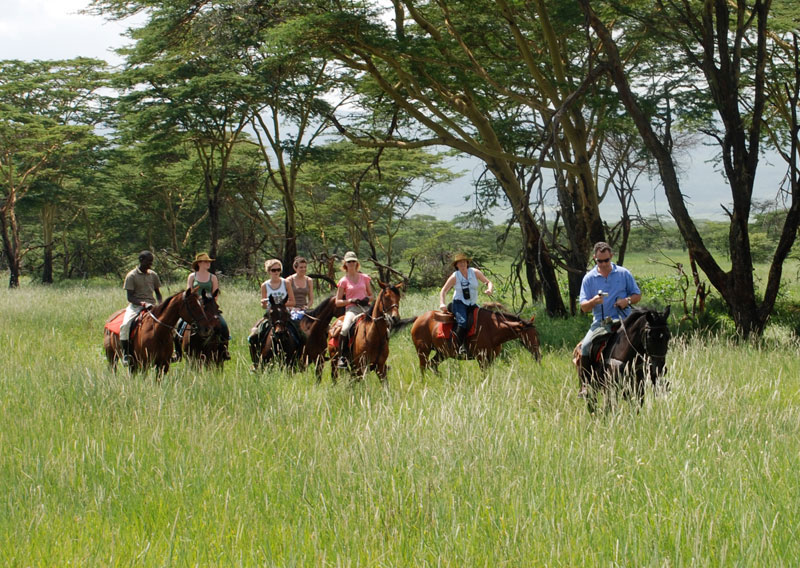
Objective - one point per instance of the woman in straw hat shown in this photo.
(465, 281)
(203, 280)
(354, 293)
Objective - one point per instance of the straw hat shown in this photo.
(459, 257)
(200, 257)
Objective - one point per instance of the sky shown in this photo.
(54, 29)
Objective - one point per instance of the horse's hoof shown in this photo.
(584, 392)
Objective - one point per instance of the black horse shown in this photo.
(624, 359)
(281, 339)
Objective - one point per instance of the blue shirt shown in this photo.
(618, 284)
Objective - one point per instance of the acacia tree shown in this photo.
(370, 193)
(727, 47)
(48, 111)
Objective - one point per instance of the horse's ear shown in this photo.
(272, 300)
(533, 317)
(383, 285)
(401, 286)
(666, 312)
(285, 299)
(215, 293)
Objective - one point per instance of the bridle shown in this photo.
(657, 355)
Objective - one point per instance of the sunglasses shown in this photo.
(274, 269)
(349, 261)
(602, 260)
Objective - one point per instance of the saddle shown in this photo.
(446, 322)
(603, 342)
(115, 322)
(336, 331)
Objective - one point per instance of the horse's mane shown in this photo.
(323, 305)
(159, 308)
(636, 315)
(498, 310)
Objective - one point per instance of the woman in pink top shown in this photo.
(354, 293)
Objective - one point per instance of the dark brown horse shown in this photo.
(279, 340)
(151, 340)
(492, 329)
(370, 336)
(625, 359)
(314, 326)
(201, 344)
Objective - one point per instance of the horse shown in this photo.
(203, 345)
(151, 339)
(627, 357)
(280, 341)
(370, 335)
(314, 326)
(432, 331)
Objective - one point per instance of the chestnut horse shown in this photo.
(151, 341)
(627, 357)
(493, 328)
(370, 335)
(202, 344)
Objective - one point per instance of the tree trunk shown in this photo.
(48, 221)
(10, 230)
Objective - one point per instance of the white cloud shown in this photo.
(54, 29)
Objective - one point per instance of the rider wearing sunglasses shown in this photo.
(608, 291)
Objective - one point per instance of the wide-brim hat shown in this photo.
(459, 257)
(201, 257)
(350, 255)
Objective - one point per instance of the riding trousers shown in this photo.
(131, 311)
(350, 316)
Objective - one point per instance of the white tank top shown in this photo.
(278, 294)
(470, 282)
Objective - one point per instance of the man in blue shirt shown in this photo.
(608, 291)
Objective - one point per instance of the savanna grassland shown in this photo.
(505, 468)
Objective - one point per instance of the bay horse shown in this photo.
(280, 342)
(151, 339)
(370, 335)
(314, 326)
(492, 329)
(625, 359)
(202, 344)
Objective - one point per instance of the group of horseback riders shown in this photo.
(608, 291)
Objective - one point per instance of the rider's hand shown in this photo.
(443, 307)
(363, 302)
(146, 305)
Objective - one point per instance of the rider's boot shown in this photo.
(125, 345)
(344, 351)
(461, 340)
(585, 375)
(225, 337)
(255, 356)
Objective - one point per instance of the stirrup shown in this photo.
(342, 363)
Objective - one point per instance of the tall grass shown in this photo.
(459, 469)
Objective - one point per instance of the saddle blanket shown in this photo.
(444, 329)
(336, 330)
(115, 322)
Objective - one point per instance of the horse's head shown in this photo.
(655, 340)
(193, 310)
(278, 315)
(530, 338)
(211, 308)
(388, 303)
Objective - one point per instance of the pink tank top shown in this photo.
(356, 291)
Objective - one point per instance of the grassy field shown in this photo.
(460, 469)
